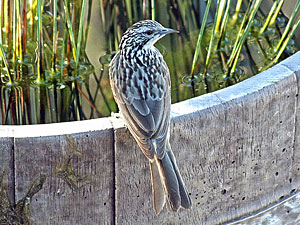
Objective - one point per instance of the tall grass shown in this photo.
(46, 76)
(247, 20)
(4, 59)
(200, 36)
(26, 46)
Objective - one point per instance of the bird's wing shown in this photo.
(143, 96)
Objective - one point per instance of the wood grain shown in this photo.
(7, 191)
(79, 186)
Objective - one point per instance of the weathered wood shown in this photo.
(236, 153)
(6, 144)
(7, 191)
(249, 160)
(79, 185)
(293, 63)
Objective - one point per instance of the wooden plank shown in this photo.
(256, 160)
(292, 63)
(72, 176)
(236, 157)
(7, 193)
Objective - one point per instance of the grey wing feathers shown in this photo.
(142, 98)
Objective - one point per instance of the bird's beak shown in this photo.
(168, 31)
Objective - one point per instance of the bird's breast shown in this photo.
(141, 75)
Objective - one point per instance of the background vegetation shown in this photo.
(48, 76)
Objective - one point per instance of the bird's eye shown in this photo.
(149, 32)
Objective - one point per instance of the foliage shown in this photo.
(47, 77)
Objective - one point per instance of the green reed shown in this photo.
(27, 44)
(16, 36)
(200, 36)
(1, 18)
(237, 9)
(219, 28)
(270, 15)
(40, 71)
(153, 9)
(215, 33)
(54, 36)
(70, 29)
(286, 37)
(51, 47)
(233, 60)
(80, 31)
(4, 59)
(275, 15)
(288, 26)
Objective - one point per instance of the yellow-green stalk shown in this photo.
(200, 36)
(2, 55)
(237, 10)
(268, 19)
(80, 31)
(288, 26)
(153, 9)
(253, 12)
(275, 15)
(55, 35)
(70, 29)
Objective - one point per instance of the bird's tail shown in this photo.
(167, 184)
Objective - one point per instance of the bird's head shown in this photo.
(144, 33)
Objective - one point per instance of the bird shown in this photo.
(141, 85)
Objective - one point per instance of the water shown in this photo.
(84, 93)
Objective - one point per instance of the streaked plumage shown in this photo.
(141, 85)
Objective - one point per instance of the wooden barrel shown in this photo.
(237, 149)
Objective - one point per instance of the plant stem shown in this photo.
(221, 6)
(268, 17)
(153, 9)
(24, 27)
(70, 29)
(284, 44)
(19, 33)
(288, 26)
(41, 75)
(237, 10)
(14, 31)
(2, 55)
(62, 57)
(240, 35)
(1, 19)
(54, 35)
(200, 36)
(225, 18)
(214, 32)
(253, 12)
(32, 20)
(145, 9)
(7, 24)
(275, 15)
(80, 32)
(128, 10)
